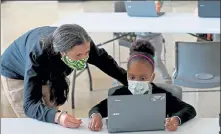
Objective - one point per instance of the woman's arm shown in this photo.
(33, 106)
(178, 108)
(100, 58)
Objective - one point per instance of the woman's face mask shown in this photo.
(76, 65)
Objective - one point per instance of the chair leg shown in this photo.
(113, 49)
(119, 58)
(73, 91)
(90, 78)
(164, 47)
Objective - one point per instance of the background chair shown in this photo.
(197, 64)
(175, 90)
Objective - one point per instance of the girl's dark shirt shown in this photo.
(174, 106)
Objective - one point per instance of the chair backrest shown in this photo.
(119, 6)
(175, 90)
(197, 64)
(216, 37)
(113, 89)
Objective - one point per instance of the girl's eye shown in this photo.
(143, 78)
(131, 77)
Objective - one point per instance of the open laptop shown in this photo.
(133, 113)
(209, 8)
(142, 9)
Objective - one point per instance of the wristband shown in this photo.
(59, 116)
(94, 114)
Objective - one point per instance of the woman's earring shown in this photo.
(63, 53)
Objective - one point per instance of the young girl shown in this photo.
(140, 75)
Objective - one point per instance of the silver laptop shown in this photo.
(133, 113)
(142, 9)
(209, 8)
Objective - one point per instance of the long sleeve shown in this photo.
(176, 107)
(100, 58)
(33, 106)
(100, 108)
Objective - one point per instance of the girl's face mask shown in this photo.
(139, 87)
(76, 65)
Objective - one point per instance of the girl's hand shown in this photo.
(172, 123)
(95, 123)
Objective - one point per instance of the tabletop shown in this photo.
(121, 22)
(31, 126)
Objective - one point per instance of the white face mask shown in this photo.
(139, 87)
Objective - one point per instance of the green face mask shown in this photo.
(76, 65)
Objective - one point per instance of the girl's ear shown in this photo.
(152, 78)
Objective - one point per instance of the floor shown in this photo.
(18, 17)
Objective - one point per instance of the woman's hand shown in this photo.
(172, 123)
(69, 121)
(95, 123)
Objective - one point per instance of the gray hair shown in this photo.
(67, 36)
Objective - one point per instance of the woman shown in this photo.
(35, 66)
(157, 40)
(140, 74)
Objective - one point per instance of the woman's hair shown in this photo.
(142, 50)
(67, 36)
(61, 40)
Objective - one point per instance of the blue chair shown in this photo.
(197, 64)
(175, 90)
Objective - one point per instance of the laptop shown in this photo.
(142, 9)
(134, 113)
(209, 9)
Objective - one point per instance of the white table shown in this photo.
(30, 126)
(121, 22)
